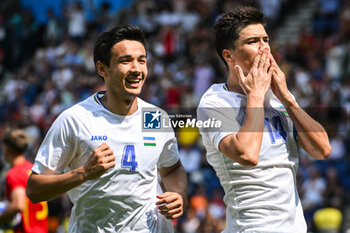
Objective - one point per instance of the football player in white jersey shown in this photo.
(98, 153)
(255, 152)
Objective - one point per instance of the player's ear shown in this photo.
(226, 54)
(101, 69)
(5, 149)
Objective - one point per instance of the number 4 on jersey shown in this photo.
(129, 158)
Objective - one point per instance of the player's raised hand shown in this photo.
(278, 82)
(170, 204)
(100, 160)
(259, 77)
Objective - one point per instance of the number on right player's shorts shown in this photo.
(129, 158)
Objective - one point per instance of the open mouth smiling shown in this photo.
(133, 80)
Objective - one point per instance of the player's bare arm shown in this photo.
(172, 203)
(243, 147)
(312, 137)
(43, 187)
(17, 205)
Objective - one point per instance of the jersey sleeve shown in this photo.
(57, 148)
(170, 153)
(229, 120)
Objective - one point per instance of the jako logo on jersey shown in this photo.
(152, 119)
(98, 138)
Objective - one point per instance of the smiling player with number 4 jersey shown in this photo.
(255, 153)
(98, 153)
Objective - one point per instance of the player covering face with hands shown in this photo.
(96, 150)
(255, 152)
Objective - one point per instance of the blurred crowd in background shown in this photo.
(47, 67)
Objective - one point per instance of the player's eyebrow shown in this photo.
(129, 56)
(254, 38)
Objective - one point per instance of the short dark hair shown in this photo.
(228, 26)
(16, 140)
(107, 39)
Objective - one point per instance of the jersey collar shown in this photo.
(98, 99)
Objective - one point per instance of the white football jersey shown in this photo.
(123, 198)
(262, 198)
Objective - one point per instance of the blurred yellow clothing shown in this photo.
(187, 136)
(328, 219)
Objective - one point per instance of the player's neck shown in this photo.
(18, 160)
(233, 83)
(120, 106)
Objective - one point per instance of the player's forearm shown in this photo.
(311, 135)
(244, 146)
(253, 126)
(176, 181)
(8, 214)
(16, 205)
(44, 187)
